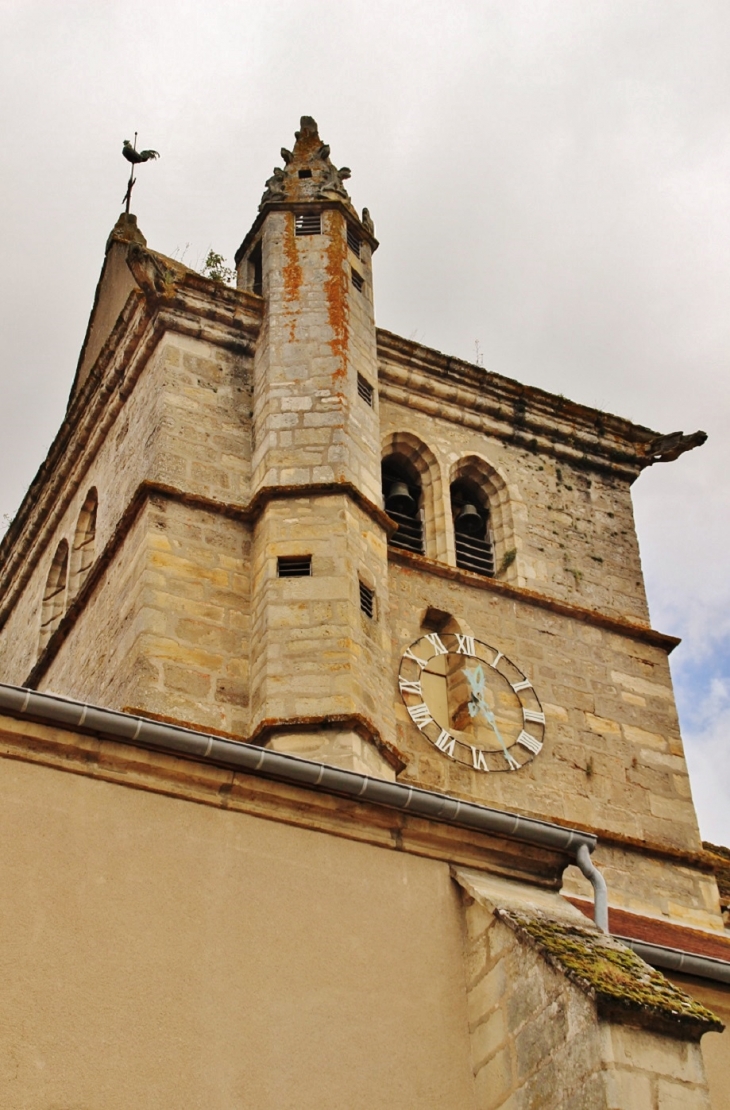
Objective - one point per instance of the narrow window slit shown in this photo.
(364, 390)
(367, 600)
(353, 241)
(294, 566)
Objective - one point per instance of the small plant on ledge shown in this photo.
(215, 268)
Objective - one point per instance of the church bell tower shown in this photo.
(319, 654)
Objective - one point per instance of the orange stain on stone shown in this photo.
(292, 270)
(336, 287)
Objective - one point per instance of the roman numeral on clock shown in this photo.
(420, 714)
(478, 760)
(408, 687)
(511, 762)
(533, 715)
(530, 742)
(436, 642)
(524, 685)
(464, 644)
(446, 743)
(408, 654)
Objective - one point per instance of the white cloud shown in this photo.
(707, 749)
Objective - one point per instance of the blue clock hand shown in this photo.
(491, 720)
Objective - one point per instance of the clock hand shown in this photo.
(477, 701)
(492, 721)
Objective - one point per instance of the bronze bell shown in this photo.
(469, 521)
(399, 500)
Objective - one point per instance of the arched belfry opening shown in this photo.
(402, 499)
(472, 531)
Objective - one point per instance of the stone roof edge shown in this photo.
(533, 417)
(167, 300)
(624, 987)
(643, 633)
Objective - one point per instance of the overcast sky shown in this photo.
(549, 179)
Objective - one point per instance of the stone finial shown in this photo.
(308, 173)
(125, 230)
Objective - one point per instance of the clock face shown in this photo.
(471, 702)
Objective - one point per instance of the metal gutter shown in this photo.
(239, 756)
(674, 959)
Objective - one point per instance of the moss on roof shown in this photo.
(623, 986)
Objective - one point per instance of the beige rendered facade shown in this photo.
(367, 630)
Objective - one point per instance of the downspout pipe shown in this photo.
(249, 759)
(597, 881)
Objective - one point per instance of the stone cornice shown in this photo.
(166, 300)
(531, 418)
(249, 513)
(621, 627)
(297, 206)
(74, 751)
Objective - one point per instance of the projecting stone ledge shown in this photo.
(564, 1017)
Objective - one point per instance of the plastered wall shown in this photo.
(160, 953)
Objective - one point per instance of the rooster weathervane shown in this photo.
(130, 152)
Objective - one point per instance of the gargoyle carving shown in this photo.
(274, 186)
(670, 447)
(367, 221)
(332, 181)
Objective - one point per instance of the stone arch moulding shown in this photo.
(84, 545)
(502, 501)
(415, 453)
(54, 595)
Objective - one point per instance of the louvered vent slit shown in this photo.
(353, 241)
(367, 600)
(308, 223)
(365, 390)
(410, 532)
(294, 566)
(474, 554)
(357, 280)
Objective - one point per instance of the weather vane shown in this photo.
(130, 152)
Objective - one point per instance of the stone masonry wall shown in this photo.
(537, 1040)
(314, 652)
(318, 332)
(613, 758)
(185, 424)
(167, 629)
(573, 530)
(647, 885)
